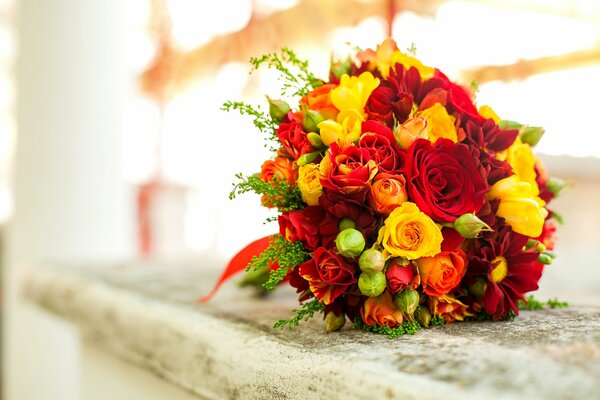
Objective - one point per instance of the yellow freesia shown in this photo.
(353, 92)
(520, 157)
(400, 58)
(439, 123)
(519, 205)
(487, 112)
(345, 132)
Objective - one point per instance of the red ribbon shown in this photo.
(238, 263)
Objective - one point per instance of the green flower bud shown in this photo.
(506, 124)
(371, 284)
(346, 223)
(423, 316)
(531, 134)
(545, 259)
(255, 277)
(478, 288)
(315, 140)
(278, 109)
(339, 68)
(350, 242)
(311, 120)
(371, 260)
(407, 301)
(307, 158)
(334, 322)
(470, 226)
(556, 185)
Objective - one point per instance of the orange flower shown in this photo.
(388, 192)
(381, 310)
(449, 308)
(320, 100)
(441, 273)
(281, 168)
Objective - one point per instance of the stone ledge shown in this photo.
(227, 349)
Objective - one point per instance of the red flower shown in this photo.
(328, 275)
(293, 138)
(393, 99)
(459, 100)
(347, 170)
(443, 179)
(302, 225)
(401, 276)
(509, 271)
(488, 135)
(379, 140)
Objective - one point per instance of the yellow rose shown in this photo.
(519, 205)
(309, 184)
(439, 123)
(411, 130)
(409, 233)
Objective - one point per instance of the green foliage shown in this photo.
(286, 254)
(277, 193)
(261, 120)
(532, 303)
(306, 311)
(558, 217)
(412, 50)
(438, 320)
(406, 328)
(297, 79)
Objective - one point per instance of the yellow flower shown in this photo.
(400, 58)
(387, 55)
(488, 112)
(521, 159)
(519, 205)
(309, 184)
(353, 92)
(439, 123)
(411, 130)
(409, 233)
(346, 131)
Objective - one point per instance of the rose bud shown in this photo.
(371, 260)
(470, 226)
(509, 125)
(307, 158)
(315, 140)
(423, 316)
(350, 242)
(255, 277)
(478, 288)
(407, 301)
(545, 259)
(399, 276)
(411, 130)
(278, 109)
(371, 284)
(334, 322)
(346, 223)
(531, 134)
(311, 120)
(556, 185)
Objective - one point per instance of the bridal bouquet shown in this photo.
(401, 204)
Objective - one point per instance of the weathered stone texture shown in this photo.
(227, 348)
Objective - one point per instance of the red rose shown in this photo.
(443, 179)
(400, 277)
(302, 225)
(328, 275)
(379, 140)
(347, 170)
(293, 138)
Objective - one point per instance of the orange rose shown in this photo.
(442, 272)
(320, 100)
(387, 192)
(281, 168)
(449, 308)
(381, 310)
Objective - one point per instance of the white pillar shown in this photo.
(71, 201)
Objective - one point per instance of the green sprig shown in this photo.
(286, 254)
(261, 120)
(294, 72)
(277, 193)
(532, 303)
(406, 328)
(306, 311)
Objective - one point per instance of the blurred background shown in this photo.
(112, 142)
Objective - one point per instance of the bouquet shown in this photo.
(401, 204)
